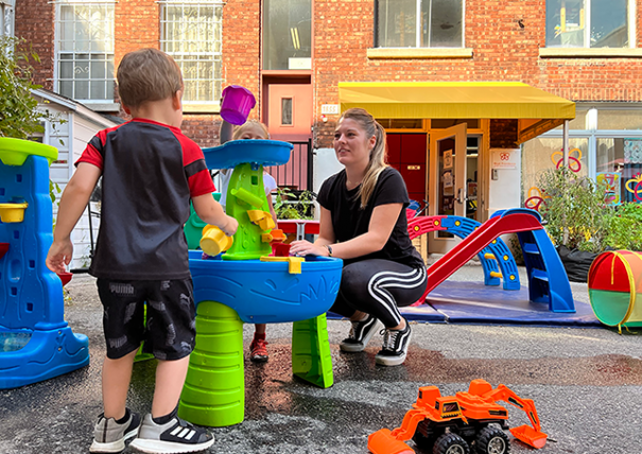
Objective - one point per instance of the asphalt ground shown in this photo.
(586, 385)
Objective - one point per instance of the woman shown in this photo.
(363, 222)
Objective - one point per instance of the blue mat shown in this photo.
(468, 302)
(474, 302)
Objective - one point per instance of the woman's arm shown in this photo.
(382, 222)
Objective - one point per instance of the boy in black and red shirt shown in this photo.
(150, 172)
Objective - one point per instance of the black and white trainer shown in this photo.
(395, 346)
(360, 334)
(110, 436)
(174, 437)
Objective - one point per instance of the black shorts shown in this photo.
(170, 329)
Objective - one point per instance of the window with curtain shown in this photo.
(590, 23)
(85, 50)
(7, 17)
(191, 32)
(419, 23)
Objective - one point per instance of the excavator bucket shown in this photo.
(382, 442)
(530, 436)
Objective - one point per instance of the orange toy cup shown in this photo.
(214, 241)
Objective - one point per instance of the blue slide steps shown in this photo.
(547, 278)
(496, 253)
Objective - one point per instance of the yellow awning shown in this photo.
(540, 110)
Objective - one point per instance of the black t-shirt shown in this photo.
(149, 173)
(350, 221)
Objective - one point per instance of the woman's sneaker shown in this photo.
(395, 346)
(110, 436)
(360, 334)
(174, 437)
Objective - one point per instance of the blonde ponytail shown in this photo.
(377, 162)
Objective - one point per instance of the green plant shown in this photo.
(574, 211)
(19, 117)
(625, 227)
(294, 205)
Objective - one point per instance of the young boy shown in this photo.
(150, 171)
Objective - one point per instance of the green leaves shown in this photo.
(19, 117)
(293, 205)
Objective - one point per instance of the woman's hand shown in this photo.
(302, 248)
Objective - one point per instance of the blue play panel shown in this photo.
(473, 302)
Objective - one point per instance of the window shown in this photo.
(287, 34)
(85, 51)
(419, 23)
(7, 17)
(590, 23)
(191, 32)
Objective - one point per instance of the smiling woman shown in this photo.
(363, 222)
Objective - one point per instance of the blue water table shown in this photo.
(36, 342)
(243, 283)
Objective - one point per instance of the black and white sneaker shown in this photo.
(395, 346)
(360, 334)
(110, 436)
(174, 437)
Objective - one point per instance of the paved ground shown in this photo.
(586, 384)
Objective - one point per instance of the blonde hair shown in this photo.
(377, 162)
(147, 75)
(240, 130)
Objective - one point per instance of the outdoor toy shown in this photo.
(245, 285)
(495, 257)
(450, 424)
(194, 226)
(615, 282)
(236, 104)
(36, 342)
(547, 279)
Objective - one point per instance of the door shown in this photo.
(448, 181)
(407, 154)
(290, 112)
(290, 120)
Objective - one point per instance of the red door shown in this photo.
(407, 153)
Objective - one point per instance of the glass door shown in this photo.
(448, 185)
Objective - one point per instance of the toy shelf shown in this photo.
(12, 212)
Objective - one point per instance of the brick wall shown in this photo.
(34, 21)
(502, 51)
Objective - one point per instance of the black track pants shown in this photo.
(379, 287)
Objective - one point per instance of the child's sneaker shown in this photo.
(110, 436)
(395, 347)
(258, 351)
(174, 437)
(360, 334)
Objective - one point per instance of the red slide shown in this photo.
(511, 222)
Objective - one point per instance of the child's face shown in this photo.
(253, 132)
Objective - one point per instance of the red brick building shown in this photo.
(508, 70)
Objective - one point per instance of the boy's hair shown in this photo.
(147, 75)
(240, 130)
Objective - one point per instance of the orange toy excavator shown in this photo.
(452, 423)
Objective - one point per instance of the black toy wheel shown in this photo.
(450, 444)
(492, 440)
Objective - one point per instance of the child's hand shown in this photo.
(230, 226)
(59, 255)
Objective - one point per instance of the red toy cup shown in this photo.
(236, 105)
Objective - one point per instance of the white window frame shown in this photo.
(631, 27)
(99, 103)
(7, 17)
(418, 28)
(215, 56)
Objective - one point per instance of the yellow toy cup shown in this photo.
(214, 241)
